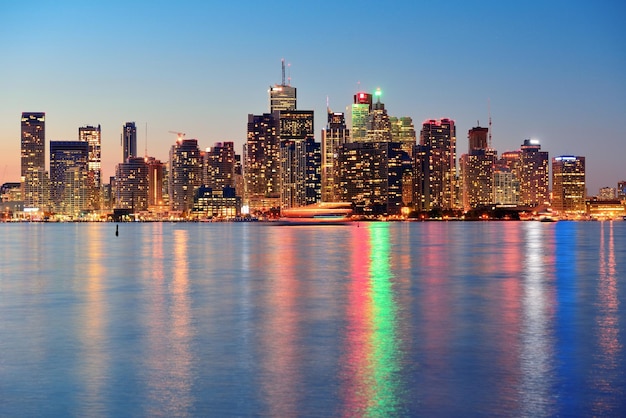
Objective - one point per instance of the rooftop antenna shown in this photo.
(489, 111)
(327, 105)
(289, 74)
(282, 63)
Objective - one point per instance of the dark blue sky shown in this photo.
(551, 70)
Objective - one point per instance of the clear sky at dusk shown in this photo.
(551, 70)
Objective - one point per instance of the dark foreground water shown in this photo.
(375, 319)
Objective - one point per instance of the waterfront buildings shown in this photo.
(34, 177)
(568, 185)
(219, 166)
(359, 115)
(69, 186)
(477, 170)
(129, 140)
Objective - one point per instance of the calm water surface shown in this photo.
(375, 319)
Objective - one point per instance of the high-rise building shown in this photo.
(378, 125)
(156, 182)
(335, 135)
(33, 160)
(283, 95)
(621, 190)
(435, 165)
(129, 140)
(131, 184)
(93, 136)
(261, 168)
(370, 176)
(185, 174)
(403, 131)
(477, 170)
(359, 115)
(219, 166)
(568, 185)
(68, 177)
(533, 174)
(300, 159)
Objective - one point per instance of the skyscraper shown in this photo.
(533, 174)
(33, 159)
(477, 168)
(568, 185)
(403, 131)
(185, 174)
(282, 96)
(129, 140)
(359, 115)
(335, 135)
(92, 135)
(219, 166)
(435, 157)
(378, 125)
(68, 176)
(131, 182)
(261, 170)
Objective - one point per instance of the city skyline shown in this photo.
(551, 72)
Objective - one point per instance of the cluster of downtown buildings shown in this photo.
(378, 163)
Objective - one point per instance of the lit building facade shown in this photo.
(335, 135)
(156, 183)
(33, 160)
(477, 170)
(607, 193)
(129, 140)
(185, 174)
(219, 166)
(93, 136)
(403, 131)
(370, 176)
(621, 190)
(261, 167)
(132, 185)
(533, 174)
(568, 185)
(359, 115)
(435, 183)
(223, 203)
(378, 124)
(69, 177)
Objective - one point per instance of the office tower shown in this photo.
(370, 176)
(300, 159)
(68, 177)
(606, 193)
(261, 171)
(505, 186)
(378, 125)
(185, 174)
(360, 111)
(129, 140)
(533, 174)
(156, 183)
(33, 160)
(209, 203)
(477, 169)
(282, 96)
(92, 135)
(568, 185)
(131, 185)
(335, 135)
(219, 166)
(403, 131)
(435, 164)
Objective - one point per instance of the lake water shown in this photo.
(370, 319)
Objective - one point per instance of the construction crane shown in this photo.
(180, 135)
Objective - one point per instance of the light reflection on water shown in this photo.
(374, 319)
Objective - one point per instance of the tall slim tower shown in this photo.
(68, 176)
(334, 136)
(477, 170)
(185, 174)
(92, 135)
(378, 124)
(282, 96)
(129, 141)
(33, 159)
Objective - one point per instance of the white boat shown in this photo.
(324, 213)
